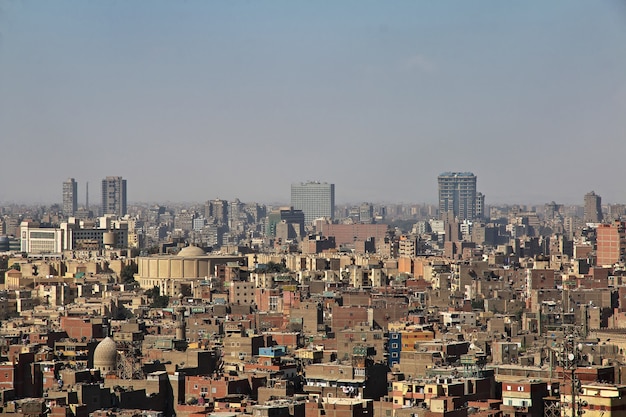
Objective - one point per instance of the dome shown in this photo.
(191, 251)
(105, 355)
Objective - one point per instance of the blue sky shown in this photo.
(192, 100)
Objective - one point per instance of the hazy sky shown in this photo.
(193, 100)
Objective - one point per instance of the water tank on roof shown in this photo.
(108, 238)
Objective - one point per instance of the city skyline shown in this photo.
(79, 194)
(376, 99)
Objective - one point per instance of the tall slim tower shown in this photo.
(70, 197)
(593, 208)
(457, 195)
(113, 196)
(315, 199)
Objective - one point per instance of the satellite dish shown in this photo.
(570, 356)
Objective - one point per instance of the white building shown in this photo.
(458, 318)
(40, 240)
(315, 199)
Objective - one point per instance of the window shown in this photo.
(520, 388)
(394, 345)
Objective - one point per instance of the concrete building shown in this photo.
(292, 217)
(182, 273)
(70, 197)
(457, 195)
(113, 196)
(107, 233)
(315, 199)
(593, 208)
(523, 398)
(40, 240)
(599, 400)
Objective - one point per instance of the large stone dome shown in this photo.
(105, 356)
(191, 251)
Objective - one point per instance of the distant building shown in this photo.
(287, 215)
(366, 213)
(350, 233)
(457, 195)
(480, 206)
(70, 197)
(218, 210)
(593, 208)
(113, 196)
(315, 199)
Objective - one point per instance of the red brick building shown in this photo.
(610, 243)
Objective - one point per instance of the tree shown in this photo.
(275, 267)
(128, 272)
(153, 292)
(158, 300)
(124, 313)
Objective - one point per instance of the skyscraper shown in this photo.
(113, 196)
(457, 195)
(315, 199)
(70, 197)
(593, 208)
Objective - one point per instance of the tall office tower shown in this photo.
(70, 197)
(593, 208)
(113, 196)
(315, 199)
(457, 195)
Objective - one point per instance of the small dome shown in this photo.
(191, 251)
(105, 355)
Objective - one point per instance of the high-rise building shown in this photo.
(593, 208)
(457, 195)
(315, 199)
(113, 196)
(70, 197)
(480, 206)
(219, 211)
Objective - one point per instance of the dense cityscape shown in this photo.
(312, 308)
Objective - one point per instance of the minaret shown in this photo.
(181, 333)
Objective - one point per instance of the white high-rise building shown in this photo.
(457, 195)
(315, 199)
